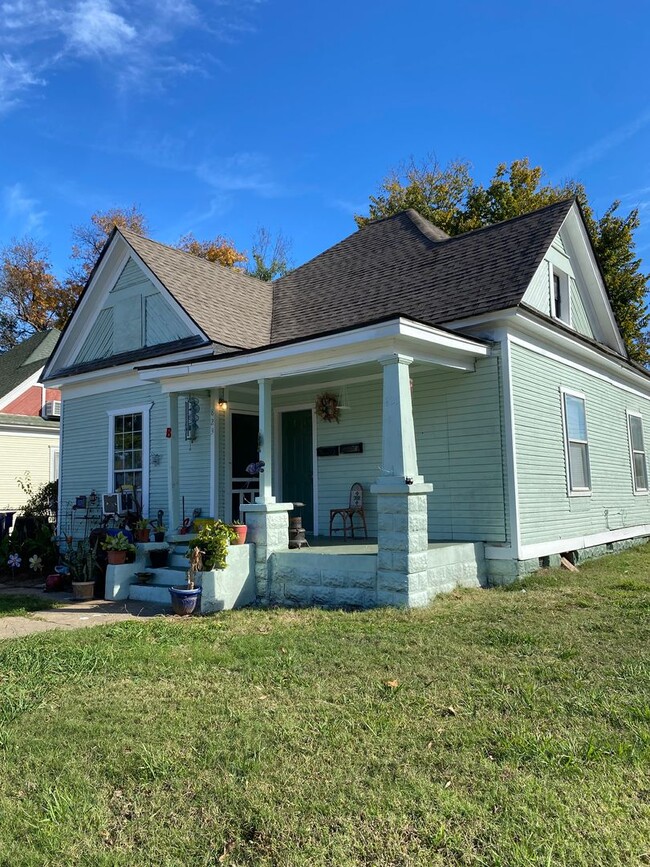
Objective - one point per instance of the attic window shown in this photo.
(560, 301)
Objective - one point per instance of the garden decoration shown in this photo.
(14, 562)
(327, 407)
(35, 563)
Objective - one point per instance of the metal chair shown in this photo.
(354, 507)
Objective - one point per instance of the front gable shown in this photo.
(567, 286)
(123, 310)
(134, 315)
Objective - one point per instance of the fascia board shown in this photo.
(338, 350)
(568, 351)
(20, 389)
(581, 249)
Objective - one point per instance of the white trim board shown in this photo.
(20, 389)
(510, 444)
(576, 543)
(145, 410)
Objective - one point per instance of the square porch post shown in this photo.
(402, 560)
(267, 520)
(173, 488)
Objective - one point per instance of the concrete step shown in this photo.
(178, 560)
(151, 593)
(166, 577)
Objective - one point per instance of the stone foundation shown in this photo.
(268, 531)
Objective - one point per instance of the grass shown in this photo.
(492, 728)
(22, 605)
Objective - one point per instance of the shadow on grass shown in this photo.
(16, 606)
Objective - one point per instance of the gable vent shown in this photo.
(52, 409)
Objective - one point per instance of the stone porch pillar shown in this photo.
(402, 561)
(267, 520)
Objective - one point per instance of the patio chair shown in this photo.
(347, 513)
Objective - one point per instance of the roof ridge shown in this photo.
(571, 200)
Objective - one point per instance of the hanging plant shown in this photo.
(327, 406)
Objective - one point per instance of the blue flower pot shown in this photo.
(184, 601)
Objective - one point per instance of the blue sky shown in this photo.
(217, 116)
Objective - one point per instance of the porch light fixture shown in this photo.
(222, 405)
(343, 398)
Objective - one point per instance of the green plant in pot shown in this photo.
(117, 547)
(240, 529)
(159, 531)
(142, 530)
(81, 561)
(213, 541)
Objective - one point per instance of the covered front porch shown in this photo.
(262, 411)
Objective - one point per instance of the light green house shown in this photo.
(485, 403)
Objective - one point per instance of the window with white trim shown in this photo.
(128, 452)
(576, 443)
(637, 453)
(560, 298)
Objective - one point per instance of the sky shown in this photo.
(220, 116)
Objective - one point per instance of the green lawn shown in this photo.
(21, 606)
(492, 728)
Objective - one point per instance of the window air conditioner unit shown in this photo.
(114, 504)
(52, 409)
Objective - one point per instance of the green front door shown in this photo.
(298, 463)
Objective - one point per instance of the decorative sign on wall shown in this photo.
(327, 451)
(351, 449)
(332, 451)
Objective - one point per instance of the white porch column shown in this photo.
(402, 559)
(267, 521)
(173, 490)
(266, 441)
(399, 455)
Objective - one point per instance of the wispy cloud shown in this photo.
(242, 172)
(16, 77)
(94, 29)
(145, 36)
(22, 210)
(602, 146)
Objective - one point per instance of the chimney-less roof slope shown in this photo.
(231, 307)
(405, 265)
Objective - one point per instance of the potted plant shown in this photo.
(240, 530)
(81, 563)
(142, 530)
(159, 531)
(185, 599)
(117, 547)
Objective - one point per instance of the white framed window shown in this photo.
(637, 453)
(128, 452)
(560, 296)
(54, 463)
(576, 443)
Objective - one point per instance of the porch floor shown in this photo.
(325, 545)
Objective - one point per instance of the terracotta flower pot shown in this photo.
(83, 590)
(142, 535)
(116, 558)
(241, 530)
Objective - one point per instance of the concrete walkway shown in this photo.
(68, 614)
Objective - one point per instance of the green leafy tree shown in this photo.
(270, 256)
(450, 198)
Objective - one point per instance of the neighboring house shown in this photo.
(29, 419)
(499, 419)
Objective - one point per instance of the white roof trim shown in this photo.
(423, 342)
(92, 301)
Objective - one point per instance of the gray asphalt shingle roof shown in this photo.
(406, 265)
(19, 363)
(228, 305)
